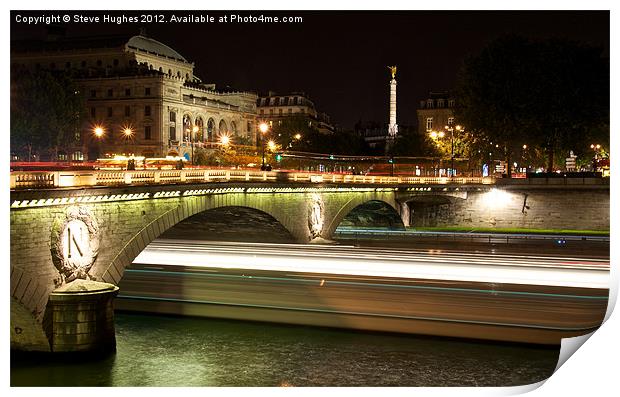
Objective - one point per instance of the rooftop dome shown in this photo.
(153, 46)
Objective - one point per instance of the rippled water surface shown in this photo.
(180, 351)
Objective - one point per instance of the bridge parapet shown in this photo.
(56, 179)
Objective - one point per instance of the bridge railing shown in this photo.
(55, 179)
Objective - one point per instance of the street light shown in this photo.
(451, 129)
(224, 140)
(98, 131)
(596, 148)
(263, 128)
(192, 137)
(128, 133)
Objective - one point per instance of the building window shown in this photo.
(271, 112)
(77, 156)
(147, 132)
(430, 104)
(127, 111)
(450, 121)
(127, 91)
(173, 133)
(290, 111)
(93, 93)
(110, 112)
(147, 91)
(451, 103)
(147, 110)
(115, 62)
(249, 126)
(110, 92)
(262, 111)
(429, 123)
(173, 117)
(279, 112)
(93, 113)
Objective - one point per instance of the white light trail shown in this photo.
(338, 260)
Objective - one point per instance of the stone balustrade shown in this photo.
(59, 179)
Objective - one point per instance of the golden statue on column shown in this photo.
(393, 70)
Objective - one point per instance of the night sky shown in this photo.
(340, 59)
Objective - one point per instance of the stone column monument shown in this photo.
(393, 127)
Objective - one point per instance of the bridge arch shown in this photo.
(354, 202)
(425, 209)
(111, 271)
(250, 225)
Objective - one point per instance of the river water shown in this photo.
(155, 350)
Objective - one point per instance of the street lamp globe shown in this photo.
(263, 127)
(271, 145)
(225, 140)
(98, 131)
(128, 132)
(441, 134)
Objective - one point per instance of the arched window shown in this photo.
(199, 130)
(187, 128)
(210, 130)
(223, 128)
(233, 127)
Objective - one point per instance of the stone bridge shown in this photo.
(63, 234)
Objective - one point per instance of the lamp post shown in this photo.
(192, 137)
(128, 133)
(99, 132)
(451, 129)
(263, 128)
(596, 149)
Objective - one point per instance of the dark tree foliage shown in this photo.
(47, 111)
(311, 140)
(551, 95)
(411, 143)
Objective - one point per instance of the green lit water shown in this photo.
(157, 350)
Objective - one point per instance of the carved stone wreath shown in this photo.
(75, 243)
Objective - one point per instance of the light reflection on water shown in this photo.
(157, 350)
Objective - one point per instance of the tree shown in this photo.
(410, 143)
(47, 112)
(549, 94)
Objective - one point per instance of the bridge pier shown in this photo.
(82, 317)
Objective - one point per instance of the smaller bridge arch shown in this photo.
(356, 201)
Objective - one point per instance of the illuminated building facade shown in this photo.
(436, 112)
(143, 95)
(275, 108)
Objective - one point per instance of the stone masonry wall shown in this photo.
(545, 209)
